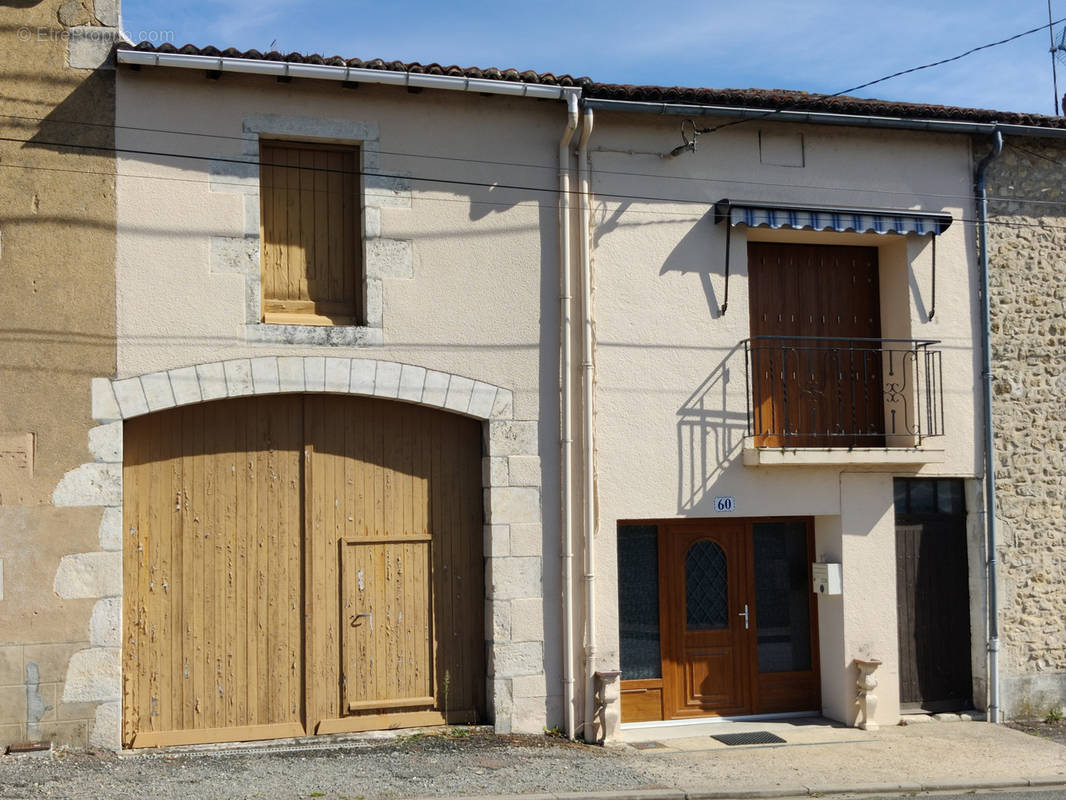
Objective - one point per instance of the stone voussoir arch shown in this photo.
(115, 400)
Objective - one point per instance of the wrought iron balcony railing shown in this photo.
(837, 392)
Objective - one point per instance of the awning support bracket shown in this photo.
(728, 236)
(932, 304)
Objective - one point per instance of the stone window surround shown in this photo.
(514, 626)
(382, 258)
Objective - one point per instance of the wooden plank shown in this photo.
(295, 528)
(131, 470)
(154, 536)
(249, 595)
(403, 702)
(375, 722)
(228, 680)
(306, 224)
(268, 221)
(250, 733)
(173, 688)
(240, 570)
(311, 417)
(451, 531)
(332, 215)
(331, 495)
(301, 318)
(220, 463)
(321, 278)
(194, 460)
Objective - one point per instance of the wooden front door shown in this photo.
(816, 375)
(716, 618)
(706, 621)
(300, 565)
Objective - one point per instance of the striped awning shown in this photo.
(828, 218)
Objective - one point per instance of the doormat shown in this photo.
(758, 737)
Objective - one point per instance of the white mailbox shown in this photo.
(828, 578)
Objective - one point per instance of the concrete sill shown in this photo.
(832, 456)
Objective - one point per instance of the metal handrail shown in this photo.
(832, 391)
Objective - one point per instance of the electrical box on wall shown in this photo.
(828, 578)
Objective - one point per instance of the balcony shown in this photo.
(834, 400)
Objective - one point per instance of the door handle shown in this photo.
(744, 614)
(355, 618)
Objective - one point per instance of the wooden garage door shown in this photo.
(254, 527)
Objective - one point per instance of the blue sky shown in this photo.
(816, 46)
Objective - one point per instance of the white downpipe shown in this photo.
(587, 439)
(565, 401)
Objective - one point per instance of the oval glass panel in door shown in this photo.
(706, 587)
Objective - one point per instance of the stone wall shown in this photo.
(57, 331)
(1027, 266)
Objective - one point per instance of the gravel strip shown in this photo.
(461, 763)
(1052, 730)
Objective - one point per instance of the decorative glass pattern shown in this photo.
(706, 587)
(638, 602)
(782, 596)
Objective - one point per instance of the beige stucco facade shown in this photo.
(57, 245)
(461, 299)
(670, 369)
(462, 275)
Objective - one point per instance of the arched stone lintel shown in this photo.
(114, 400)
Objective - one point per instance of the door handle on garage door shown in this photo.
(355, 619)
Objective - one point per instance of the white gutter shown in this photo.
(588, 485)
(284, 69)
(824, 118)
(566, 422)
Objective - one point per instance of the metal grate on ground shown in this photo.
(755, 737)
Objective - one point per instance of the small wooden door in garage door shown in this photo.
(388, 624)
(298, 565)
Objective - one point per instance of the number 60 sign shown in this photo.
(725, 504)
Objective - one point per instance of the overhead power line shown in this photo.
(1050, 25)
(491, 185)
(882, 79)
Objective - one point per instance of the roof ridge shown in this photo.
(763, 99)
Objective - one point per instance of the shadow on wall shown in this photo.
(701, 252)
(709, 434)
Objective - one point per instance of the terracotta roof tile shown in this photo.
(769, 99)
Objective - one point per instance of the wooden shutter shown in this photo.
(311, 238)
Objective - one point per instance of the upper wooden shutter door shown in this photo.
(311, 239)
(817, 373)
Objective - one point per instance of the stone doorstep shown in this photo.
(330, 741)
